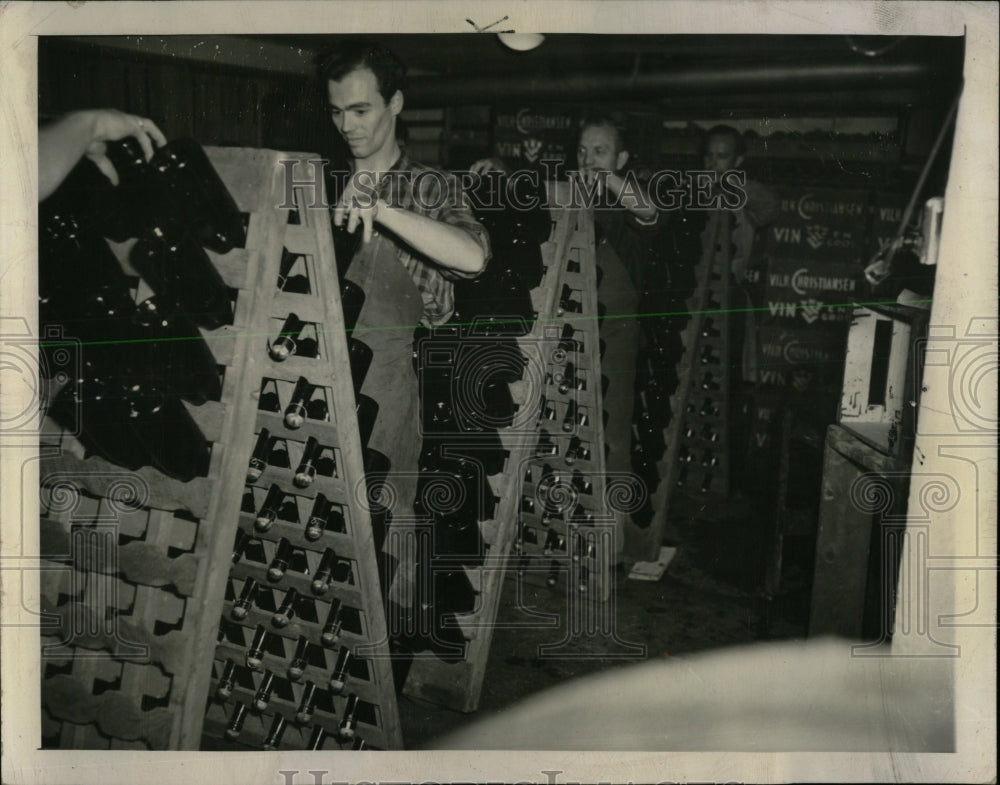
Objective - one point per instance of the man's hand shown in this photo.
(110, 125)
(604, 179)
(484, 165)
(358, 204)
(62, 143)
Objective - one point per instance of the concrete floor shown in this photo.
(710, 596)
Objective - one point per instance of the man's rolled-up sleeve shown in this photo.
(457, 211)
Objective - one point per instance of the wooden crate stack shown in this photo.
(136, 555)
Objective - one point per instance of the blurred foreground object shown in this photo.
(767, 697)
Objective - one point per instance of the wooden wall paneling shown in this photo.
(169, 86)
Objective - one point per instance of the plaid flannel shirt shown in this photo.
(439, 197)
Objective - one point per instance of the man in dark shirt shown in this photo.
(419, 235)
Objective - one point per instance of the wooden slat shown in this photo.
(232, 266)
(96, 475)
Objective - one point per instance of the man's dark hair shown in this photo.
(606, 121)
(740, 143)
(354, 53)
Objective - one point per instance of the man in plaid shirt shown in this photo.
(418, 235)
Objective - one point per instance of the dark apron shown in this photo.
(393, 307)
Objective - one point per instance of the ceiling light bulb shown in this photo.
(521, 42)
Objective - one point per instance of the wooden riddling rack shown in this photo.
(144, 549)
(566, 532)
(699, 429)
(458, 684)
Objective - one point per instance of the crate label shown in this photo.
(811, 291)
(821, 223)
(802, 358)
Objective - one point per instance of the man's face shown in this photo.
(720, 154)
(597, 151)
(362, 116)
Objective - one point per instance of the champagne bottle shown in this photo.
(318, 737)
(306, 471)
(64, 222)
(240, 543)
(295, 412)
(224, 689)
(192, 194)
(183, 277)
(175, 443)
(263, 696)
(273, 739)
(553, 576)
(236, 720)
(300, 659)
(707, 357)
(567, 345)
(279, 564)
(348, 722)
(569, 421)
(567, 380)
(706, 482)
(185, 365)
(95, 410)
(318, 518)
(268, 512)
(352, 300)
(255, 651)
(338, 678)
(286, 344)
(117, 212)
(324, 572)
(286, 611)
(360, 359)
(333, 625)
(241, 608)
(258, 460)
(307, 706)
